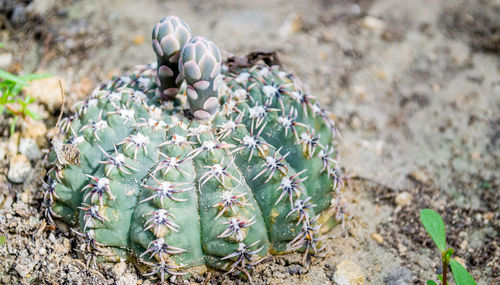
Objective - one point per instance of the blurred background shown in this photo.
(414, 87)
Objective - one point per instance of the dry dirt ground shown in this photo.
(414, 87)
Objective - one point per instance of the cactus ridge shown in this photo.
(140, 177)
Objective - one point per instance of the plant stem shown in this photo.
(445, 269)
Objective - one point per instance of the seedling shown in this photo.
(434, 225)
(10, 100)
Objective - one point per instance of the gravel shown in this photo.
(410, 85)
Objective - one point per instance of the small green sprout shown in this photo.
(434, 225)
(10, 102)
(3, 240)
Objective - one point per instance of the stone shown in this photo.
(373, 23)
(3, 150)
(12, 144)
(119, 269)
(278, 275)
(5, 60)
(36, 130)
(420, 176)
(22, 269)
(47, 90)
(487, 216)
(377, 237)
(19, 169)
(402, 248)
(398, 276)
(403, 199)
(295, 269)
(41, 7)
(126, 279)
(29, 148)
(6, 279)
(348, 273)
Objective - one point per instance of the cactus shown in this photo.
(169, 37)
(237, 163)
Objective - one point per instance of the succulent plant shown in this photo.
(206, 165)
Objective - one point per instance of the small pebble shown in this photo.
(489, 216)
(403, 199)
(294, 269)
(52, 238)
(25, 197)
(126, 279)
(19, 169)
(119, 269)
(66, 244)
(35, 130)
(402, 248)
(464, 244)
(3, 150)
(47, 91)
(6, 279)
(12, 144)
(377, 237)
(348, 273)
(29, 148)
(5, 60)
(475, 155)
(22, 269)
(373, 23)
(420, 176)
(278, 275)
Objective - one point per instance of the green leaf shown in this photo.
(460, 274)
(13, 125)
(434, 225)
(440, 277)
(3, 240)
(431, 282)
(17, 88)
(35, 76)
(11, 77)
(447, 255)
(33, 115)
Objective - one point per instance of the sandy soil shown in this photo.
(414, 87)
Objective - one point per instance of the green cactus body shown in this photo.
(254, 172)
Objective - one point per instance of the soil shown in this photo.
(414, 87)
